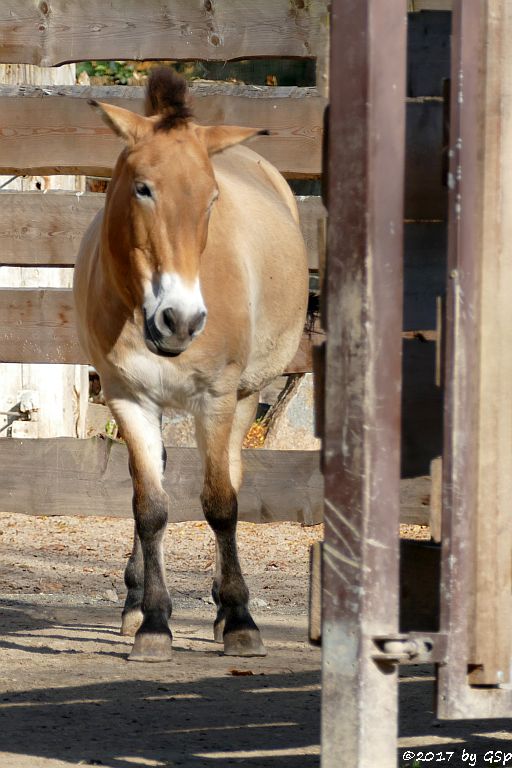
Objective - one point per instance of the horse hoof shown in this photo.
(151, 646)
(244, 642)
(218, 631)
(131, 622)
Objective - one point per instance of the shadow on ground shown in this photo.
(421, 731)
(129, 718)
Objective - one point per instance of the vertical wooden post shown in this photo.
(477, 455)
(491, 649)
(363, 377)
(62, 390)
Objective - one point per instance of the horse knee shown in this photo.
(220, 506)
(151, 513)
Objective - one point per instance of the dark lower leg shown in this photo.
(153, 638)
(234, 624)
(220, 619)
(134, 581)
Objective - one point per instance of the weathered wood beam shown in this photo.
(55, 31)
(54, 130)
(90, 477)
(64, 476)
(477, 451)
(430, 5)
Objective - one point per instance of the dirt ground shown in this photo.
(69, 697)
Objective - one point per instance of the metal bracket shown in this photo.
(410, 648)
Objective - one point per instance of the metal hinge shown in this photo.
(410, 648)
(25, 410)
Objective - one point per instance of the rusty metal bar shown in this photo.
(363, 375)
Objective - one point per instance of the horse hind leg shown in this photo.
(244, 416)
(220, 440)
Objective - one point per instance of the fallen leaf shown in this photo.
(240, 672)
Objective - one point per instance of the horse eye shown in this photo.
(142, 190)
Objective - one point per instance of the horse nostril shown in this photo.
(170, 319)
(197, 322)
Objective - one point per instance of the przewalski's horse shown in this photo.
(191, 292)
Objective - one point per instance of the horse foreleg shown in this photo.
(145, 570)
(134, 582)
(220, 443)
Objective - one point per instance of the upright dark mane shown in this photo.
(167, 95)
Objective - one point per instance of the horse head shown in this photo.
(158, 209)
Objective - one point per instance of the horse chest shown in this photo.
(160, 381)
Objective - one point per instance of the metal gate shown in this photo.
(362, 645)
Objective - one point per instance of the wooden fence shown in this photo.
(52, 130)
(49, 130)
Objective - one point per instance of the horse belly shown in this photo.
(278, 317)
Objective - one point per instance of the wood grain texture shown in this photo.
(55, 31)
(430, 5)
(492, 626)
(90, 477)
(37, 325)
(54, 130)
(45, 229)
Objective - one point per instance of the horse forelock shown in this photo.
(167, 96)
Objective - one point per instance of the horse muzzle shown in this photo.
(169, 332)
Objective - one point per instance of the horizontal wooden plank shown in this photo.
(90, 477)
(64, 476)
(430, 5)
(37, 325)
(56, 31)
(312, 221)
(54, 130)
(414, 500)
(39, 229)
(44, 229)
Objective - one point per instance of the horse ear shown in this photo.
(219, 137)
(127, 125)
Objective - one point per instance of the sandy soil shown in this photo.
(68, 696)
